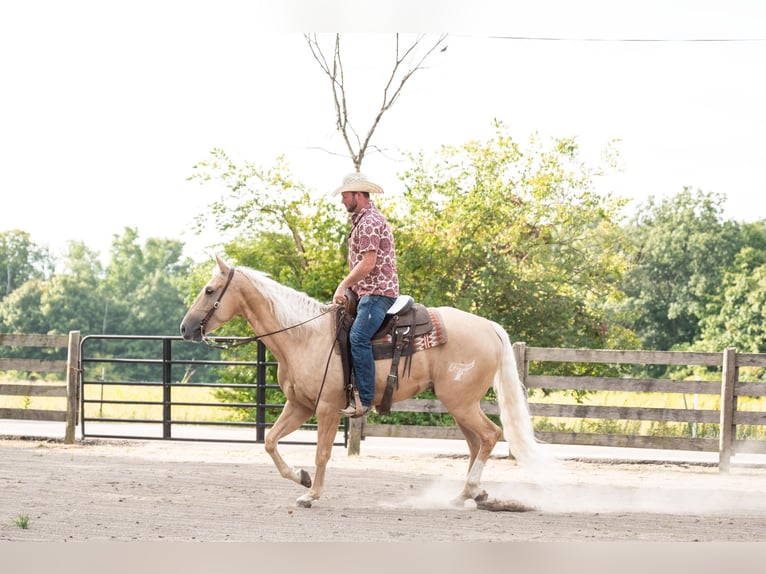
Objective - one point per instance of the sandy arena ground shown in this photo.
(213, 492)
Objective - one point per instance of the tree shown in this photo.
(274, 224)
(514, 234)
(142, 286)
(741, 320)
(21, 260)
(408, 59)
(683, 248)
(736, 317)
(270, 220)
(69, 300)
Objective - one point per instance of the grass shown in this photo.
(186, 394)
(138, 393)
(22, 521)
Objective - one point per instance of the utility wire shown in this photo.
(656, 40)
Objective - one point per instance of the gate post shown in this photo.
(260, 393)
(727, 432)
(166, 389)
(72, 386)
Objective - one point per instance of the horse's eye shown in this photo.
(209, 290)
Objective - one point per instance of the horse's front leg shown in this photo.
(327, 429)
(292, 417)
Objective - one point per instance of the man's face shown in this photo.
(349, 200)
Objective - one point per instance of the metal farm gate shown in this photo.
(169, 389)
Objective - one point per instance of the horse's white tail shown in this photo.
(514, 408)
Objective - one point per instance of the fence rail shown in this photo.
(68, 389)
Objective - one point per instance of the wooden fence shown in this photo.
(727, 415)
(66, 389)
(727, 390)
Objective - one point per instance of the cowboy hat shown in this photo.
(357, 182)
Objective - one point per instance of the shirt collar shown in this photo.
(365, 210)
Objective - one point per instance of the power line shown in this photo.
(627, 40)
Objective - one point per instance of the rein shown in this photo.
(233, 342)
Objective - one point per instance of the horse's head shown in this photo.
(210, 309)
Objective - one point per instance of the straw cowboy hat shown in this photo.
(357, 182)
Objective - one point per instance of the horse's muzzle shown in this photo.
(191, 334)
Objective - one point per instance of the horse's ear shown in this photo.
(222, 266)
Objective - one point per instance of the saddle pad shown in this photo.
(383, 348)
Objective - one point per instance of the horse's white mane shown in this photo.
(289, 306)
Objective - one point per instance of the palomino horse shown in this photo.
(300, 332)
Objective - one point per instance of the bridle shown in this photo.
(217, 303)
(231, 342)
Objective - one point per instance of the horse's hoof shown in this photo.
(481, 497)
(305, 479)
(304, 503)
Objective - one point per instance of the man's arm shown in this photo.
(359, 272)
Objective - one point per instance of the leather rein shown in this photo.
(232, 342)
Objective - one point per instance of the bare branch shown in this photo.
(388, 102)
(357, 148)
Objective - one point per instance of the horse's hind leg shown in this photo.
(482, 436)
(292, 417)
(474, 444)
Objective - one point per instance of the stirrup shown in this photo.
(354, 411)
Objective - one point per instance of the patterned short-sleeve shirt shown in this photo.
(371, 231)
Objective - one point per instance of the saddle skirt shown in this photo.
(421, 324)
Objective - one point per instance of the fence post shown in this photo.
(520, 355)
(727, 432)
(73, 386)
(355, 435)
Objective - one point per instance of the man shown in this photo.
(372, 277)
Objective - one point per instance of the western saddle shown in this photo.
(405, 320)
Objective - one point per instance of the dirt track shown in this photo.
(148, 491)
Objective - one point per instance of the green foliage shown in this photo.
(275, 225)
(21, 260)
(683, 248)
(740, 320)
(140, 292)
(514, 234)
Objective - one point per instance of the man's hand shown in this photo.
(340, 295)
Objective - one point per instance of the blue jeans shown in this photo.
(370, 313)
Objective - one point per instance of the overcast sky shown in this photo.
(106, 106)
